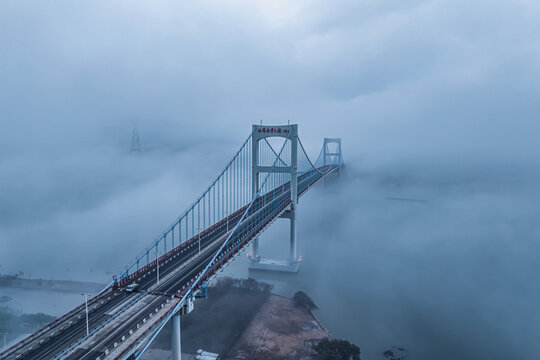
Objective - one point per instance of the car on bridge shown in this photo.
(132, 287)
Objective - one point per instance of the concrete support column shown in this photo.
(294, 196)
(293, 254)
(176, 343)
(255, 180)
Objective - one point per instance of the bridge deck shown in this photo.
(119, 321)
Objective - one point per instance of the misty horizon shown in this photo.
(428, 241)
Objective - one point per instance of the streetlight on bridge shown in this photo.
(199, 231)
(86, 303)
(157, 264)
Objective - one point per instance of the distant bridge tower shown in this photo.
(260, 132)
(335, 157)
(135, 141)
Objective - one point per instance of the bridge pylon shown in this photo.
(176, 341)
(331, 158)
(261, 132)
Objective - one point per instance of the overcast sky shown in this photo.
(450, 78)
(447, 87)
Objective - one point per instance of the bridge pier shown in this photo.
(176, 341)
(293, 250)
(291, 264)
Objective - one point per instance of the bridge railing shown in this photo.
(227, 193)
(230, 194)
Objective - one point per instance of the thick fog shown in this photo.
(441, 264)
(430, 241)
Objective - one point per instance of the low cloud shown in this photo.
(437, 99)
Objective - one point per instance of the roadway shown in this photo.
(114, 312)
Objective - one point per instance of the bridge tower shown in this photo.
(260, 132)
(330, 157)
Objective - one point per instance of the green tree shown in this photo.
(302, 299)
(336, 349)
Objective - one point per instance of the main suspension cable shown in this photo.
(313, 166)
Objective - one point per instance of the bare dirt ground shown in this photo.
(159, 354)
(280, 330)
(215, 324)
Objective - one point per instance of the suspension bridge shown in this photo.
(260, 184)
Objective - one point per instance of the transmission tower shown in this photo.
(135, 141)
